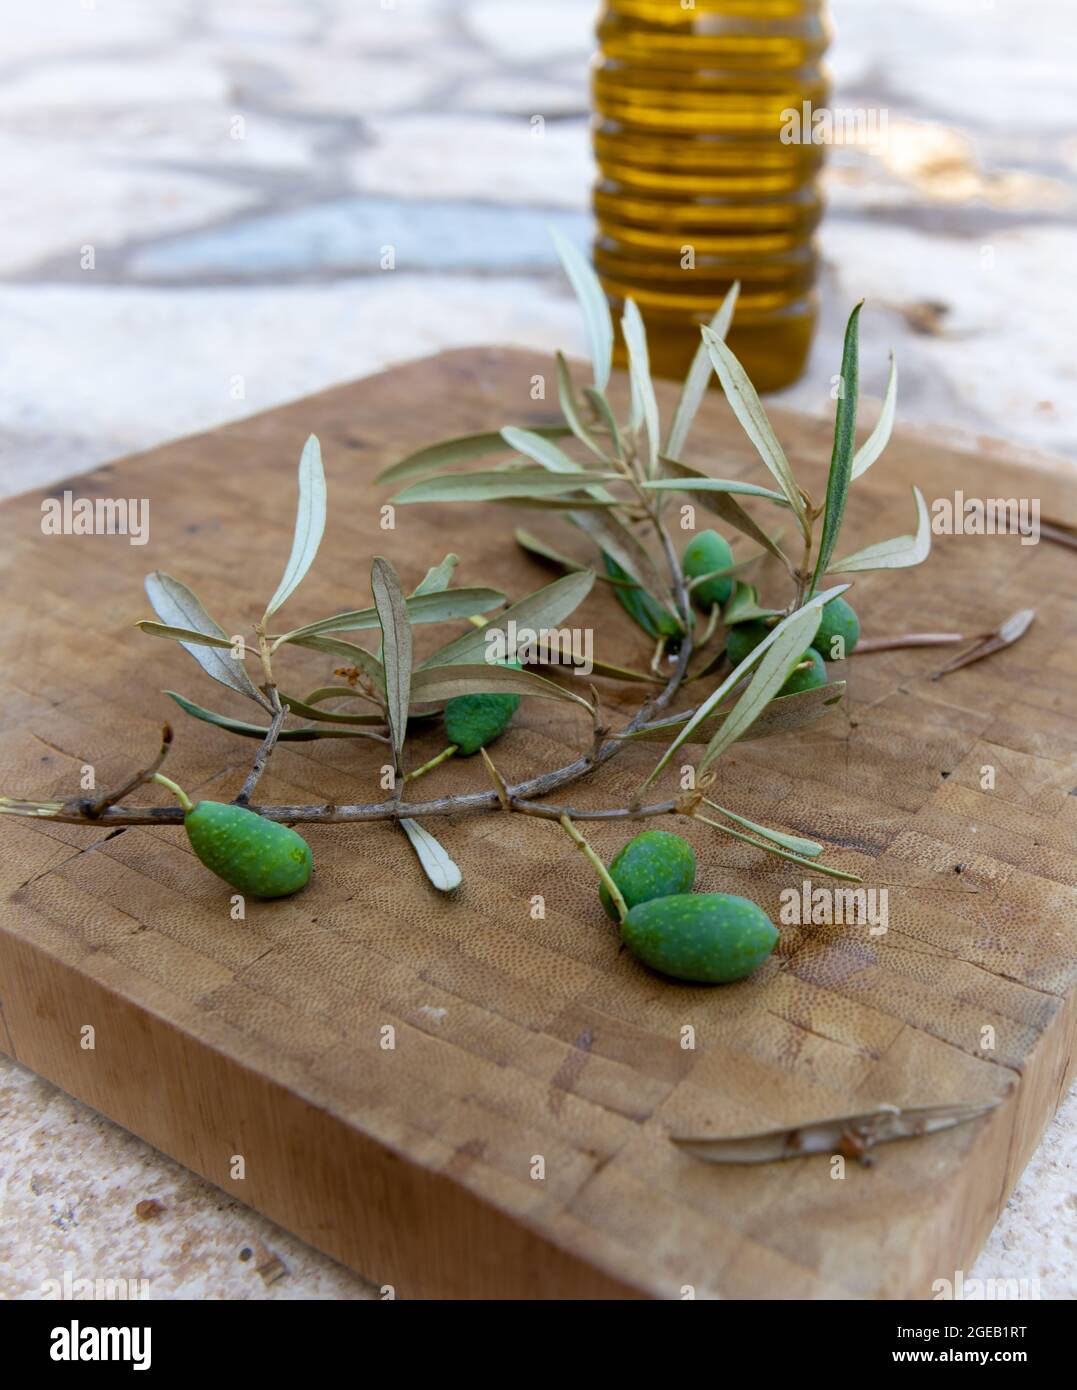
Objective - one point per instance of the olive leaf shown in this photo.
(645, 611)
(705, 485)
(396, 643)
(743, 605)
(442, 871)
(462, 449)
(726, 506)
(879, 438)
(783, 715)
(841, 458)
(852, 1134)
(698, 378)
(545, 608)
(485, 678)
(900, 552)
(597, 668)
(430, 607)
(309, 524)
(796, 843)
(617, 540)
(355, 655)
(799, 622)
(748, 409)
(179, 608)
(644, 401)
(593, 302)
(305, 710)
(537, 546)
(547, 455)
(245, 730)
(182, 634)
(516, 485)
(602, 408)
(570, 408)
(791, 638)
(772, 847)
(436, 579)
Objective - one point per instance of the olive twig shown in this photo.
(280, 713)
(596, 863)
(94, 809)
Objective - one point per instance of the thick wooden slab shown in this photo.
(518, 1037)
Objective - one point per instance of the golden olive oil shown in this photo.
(705, 177)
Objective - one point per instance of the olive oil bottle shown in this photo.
(707, 173)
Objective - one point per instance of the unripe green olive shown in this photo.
(706, 553)
(707, 938)
(838, 620)
(651, 865)
(259, 857)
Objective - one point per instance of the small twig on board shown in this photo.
(94, 808)
(913, 639)
(280, 714)
(1011, 631)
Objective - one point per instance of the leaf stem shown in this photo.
(596, 863)
(176, 790)
(442, 757)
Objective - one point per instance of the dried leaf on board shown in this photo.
(849, 1135)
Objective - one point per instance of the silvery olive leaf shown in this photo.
(547, 608)
(644, 400)
(437, 606)
(743, 605)
(879, 438)
(604, 413)
(485, 678)
(178, 607)
(726, 506)
(396, 646)
(850, 1135)
(701, 484)
(570, 408)
(353, 654)
(547, 455)
(508, 485)
(305, 710)
(771, 846)
(442, 871)
(437, 578)
(309, 524)
(756, 655)
(616, 539)
(460, 450)
(593, 302)
(245, 730)
(748, 409)
(699, 375)
(783, 715)
(899, 553)
(792, 637)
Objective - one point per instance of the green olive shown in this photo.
(652, 865)
(707, 938)
(706, 553)
(258, 856)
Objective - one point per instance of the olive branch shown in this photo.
(609, 481)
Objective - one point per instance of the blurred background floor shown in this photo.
(195, 202)
(196, 196)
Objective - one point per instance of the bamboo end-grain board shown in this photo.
(520, 1036)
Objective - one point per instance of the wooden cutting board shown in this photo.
(518, 1037)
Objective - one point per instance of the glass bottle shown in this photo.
(707, 173)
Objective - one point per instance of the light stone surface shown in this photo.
(237, 169)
